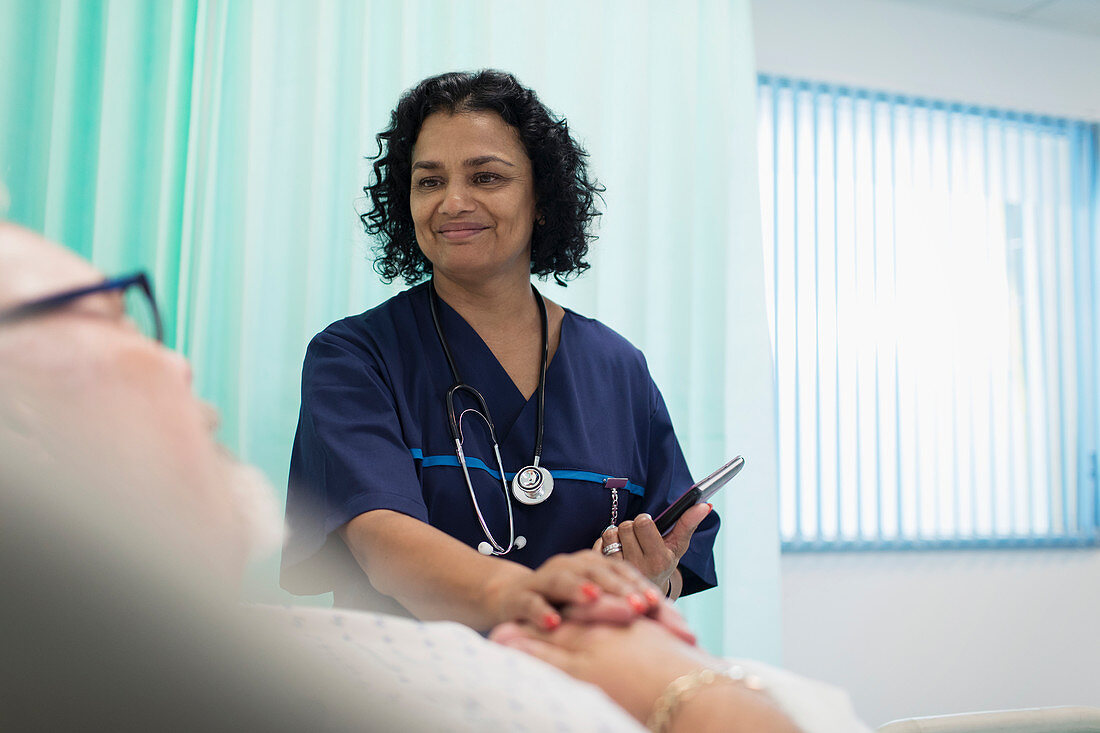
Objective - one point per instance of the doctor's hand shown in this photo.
(584, 587)
(656, 557)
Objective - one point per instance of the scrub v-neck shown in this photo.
(480, 368)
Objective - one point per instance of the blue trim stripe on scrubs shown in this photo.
(596, 478)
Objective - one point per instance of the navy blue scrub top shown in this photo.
(372, 434)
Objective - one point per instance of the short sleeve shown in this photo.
(667, 477)
(349, 457)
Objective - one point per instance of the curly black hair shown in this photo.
(566, 196)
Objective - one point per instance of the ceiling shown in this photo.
(1079, 16)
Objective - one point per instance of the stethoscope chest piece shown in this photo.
(532, 485)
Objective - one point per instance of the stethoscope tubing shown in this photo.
(454, 421)
(459, 385)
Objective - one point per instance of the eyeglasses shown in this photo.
(137, 294)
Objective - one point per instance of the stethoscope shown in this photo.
(532, 484)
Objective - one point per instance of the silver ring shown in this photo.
(612, 549)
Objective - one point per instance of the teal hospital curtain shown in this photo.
(94, 110)
(222, 145)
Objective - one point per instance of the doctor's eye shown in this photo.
(487, 178)
(426, 183)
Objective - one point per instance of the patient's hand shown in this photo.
(586, 587)
(611, 610)
(634, 665)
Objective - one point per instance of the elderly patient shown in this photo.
(124, 529)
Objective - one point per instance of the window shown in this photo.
(933, 306)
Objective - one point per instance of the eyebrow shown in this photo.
(432, 165)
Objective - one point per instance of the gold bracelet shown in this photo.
(677, 692)
(681, 689)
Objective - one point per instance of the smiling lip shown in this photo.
(461, 230)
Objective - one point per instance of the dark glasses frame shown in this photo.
(59, 300)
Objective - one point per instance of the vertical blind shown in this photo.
(933, 311)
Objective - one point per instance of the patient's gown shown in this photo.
(443, 674)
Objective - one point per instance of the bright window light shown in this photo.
(933, 310)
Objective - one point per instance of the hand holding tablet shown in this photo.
(700, 492)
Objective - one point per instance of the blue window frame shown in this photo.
(933, 303)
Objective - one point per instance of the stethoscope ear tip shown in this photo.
(486, 549)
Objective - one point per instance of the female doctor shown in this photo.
(462, 445)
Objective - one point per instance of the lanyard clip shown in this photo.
(614, 484)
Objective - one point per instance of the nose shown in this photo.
(457, 200)
(210, 415)
(182, 366)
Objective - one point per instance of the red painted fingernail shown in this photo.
(591, 591)
(711, 506)
(636, 603)
(551, 621)
(652, 596)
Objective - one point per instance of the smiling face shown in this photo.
(473, 198)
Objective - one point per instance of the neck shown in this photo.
(488, 302)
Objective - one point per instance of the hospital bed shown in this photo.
(1031, 720)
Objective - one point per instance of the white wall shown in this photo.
(946, 632)
(940, 632)
(898, 46)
